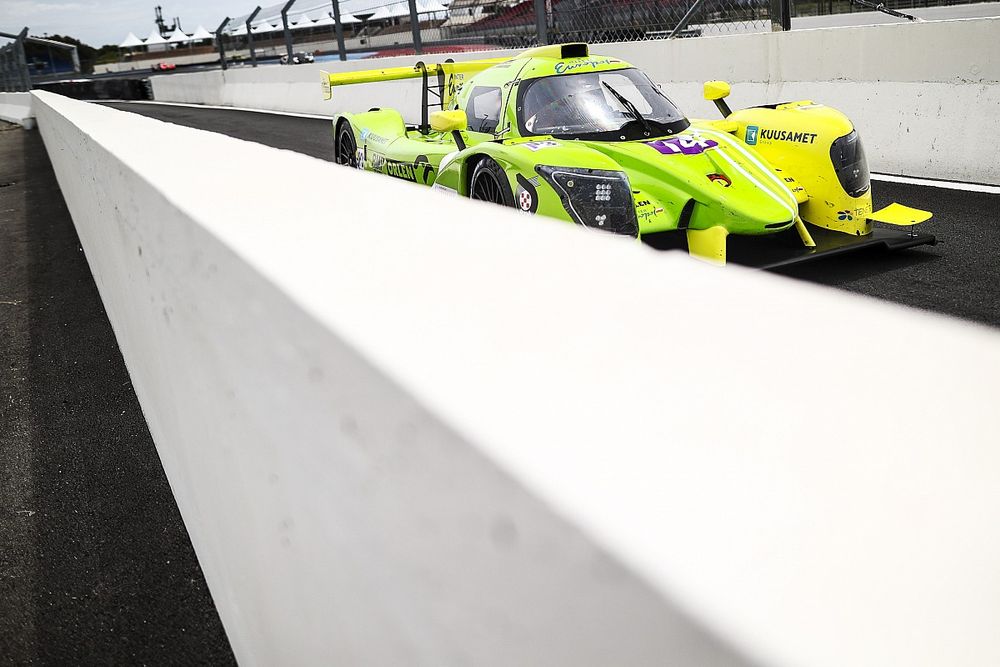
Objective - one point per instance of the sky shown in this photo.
(109, 21)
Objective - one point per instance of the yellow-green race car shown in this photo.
(594, 141)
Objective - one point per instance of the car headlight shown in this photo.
(848, 156)
(595, 198)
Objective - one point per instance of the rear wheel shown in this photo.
(489, 183)
(346, 148)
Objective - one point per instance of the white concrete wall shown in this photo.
(924, 95)
(296, 89)
(438, 432)
(16, 108)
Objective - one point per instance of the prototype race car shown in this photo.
(164, 67)
(592, 140)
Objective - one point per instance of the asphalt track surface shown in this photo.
(960, 276)
(96, 566)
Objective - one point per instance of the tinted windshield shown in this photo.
(587, 104)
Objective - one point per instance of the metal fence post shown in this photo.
(3, 68)
(288, 32)
(781, 15)
(8, 68)
(218, 38)
(683, 23)
(253, 54)
(339, 29)
(541, 22)
(22, 60)
(415, 25)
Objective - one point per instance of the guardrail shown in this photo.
(405, 428)
(907, 109)
(17, 108)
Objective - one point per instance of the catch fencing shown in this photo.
(382, 28)
(25, 60)
(14, 75)
(363, 28)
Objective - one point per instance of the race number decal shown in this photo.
(685, 145)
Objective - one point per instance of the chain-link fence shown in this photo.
(14, 75)
(375, 28)
(824, 7)
(364, 28)
(25, 60)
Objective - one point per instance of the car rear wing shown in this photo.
(328, 80)
(447, 74)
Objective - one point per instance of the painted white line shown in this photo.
(932, 183)
(225, 108)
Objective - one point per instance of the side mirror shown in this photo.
(449, 121)
(718, 91)
(453, 121)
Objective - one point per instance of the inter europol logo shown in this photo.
(752, 134)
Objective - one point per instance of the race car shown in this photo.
(298, 58)
(594, 141)
(164, 67)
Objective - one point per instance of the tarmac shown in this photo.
(96, 566)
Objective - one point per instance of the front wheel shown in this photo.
(489, 183)
(346, 149)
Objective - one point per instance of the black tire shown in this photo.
(489, 183)
(346, 148)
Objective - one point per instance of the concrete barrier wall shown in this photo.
(16, 108)
(923, 95)
(439, 432)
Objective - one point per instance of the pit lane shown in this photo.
(957, 277)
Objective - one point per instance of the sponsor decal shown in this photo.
(423, 165)
(539, 145)
(720, 179)
(563, 67)
(845, 215)
(526, 195)
(782, 135)
(685, 145)
(417, 171)
(644, 216)
(368, 135)
(752, 134)
(400, 170)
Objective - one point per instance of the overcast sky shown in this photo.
(99, 22)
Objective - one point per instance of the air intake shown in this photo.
(558, 51)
